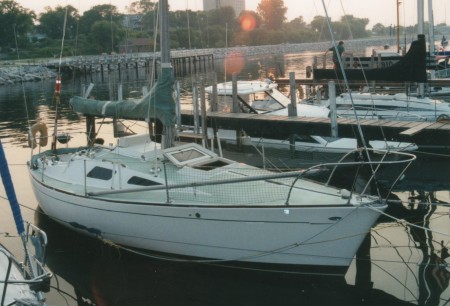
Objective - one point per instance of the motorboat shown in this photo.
(399, 106)
(263, 97)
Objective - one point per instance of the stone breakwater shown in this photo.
(301, 47)
(25, 73)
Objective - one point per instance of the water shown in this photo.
(403, 263)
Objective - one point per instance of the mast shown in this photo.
(398, 26)
(164, 26)
(168, 136)
(431, 34)
(17, 214)
(420, 31)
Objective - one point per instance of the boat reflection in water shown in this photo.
(433, 274)
(103, 274)
(423, 272)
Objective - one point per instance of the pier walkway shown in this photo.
(426, 134)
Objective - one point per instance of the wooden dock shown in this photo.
(424, 134)
(184, 62)
(312, 82)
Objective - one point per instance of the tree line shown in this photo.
(102, 28)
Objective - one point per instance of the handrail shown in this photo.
(291, 174)
(9, 256)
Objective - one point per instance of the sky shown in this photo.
(383, 11)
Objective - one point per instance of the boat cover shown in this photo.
(158, 103)
(411, 68)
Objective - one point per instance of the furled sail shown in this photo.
(411, 68)
(158, 103)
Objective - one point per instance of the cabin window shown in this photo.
(187, 155)
(305, 138)
(136, 180)
(100, 173)
(211, 166)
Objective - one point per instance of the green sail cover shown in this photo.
(158, 103)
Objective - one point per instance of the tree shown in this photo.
(52, 22)
(319, 26)
(353, 27)
(141, 6)
(105, 36)
(273, 13)
(222, 16)
(104, 12)
(379, 29)
(298, 22)
(14, 20)
(298, 31)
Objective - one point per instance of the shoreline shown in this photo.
(12, 72)
(24, 73)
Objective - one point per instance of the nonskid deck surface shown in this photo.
(194, 182)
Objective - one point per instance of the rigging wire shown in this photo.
(361, 137)
(23, 87)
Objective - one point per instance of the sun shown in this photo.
(248, 22)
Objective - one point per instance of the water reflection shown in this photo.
(104, 275)
(101, 274)
(411, 252)
(433, 274)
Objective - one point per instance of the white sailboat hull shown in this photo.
(287, 235)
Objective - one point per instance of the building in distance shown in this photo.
(237, 5)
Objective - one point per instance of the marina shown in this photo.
(136, 213)
(89, 269)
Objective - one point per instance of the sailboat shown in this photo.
(411, 68)
(22, 283)
(187, 203)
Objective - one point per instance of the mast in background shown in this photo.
(398, 26)
(420, 31)
(431, 34)
(168, 136)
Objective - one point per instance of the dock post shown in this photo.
(203, 110)
(137, 69)
(214, 97)
(90, 130)
(178, 105)
(333, 116)
(120, 93)
(292, 110)
(236, 108)
(195, 105)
